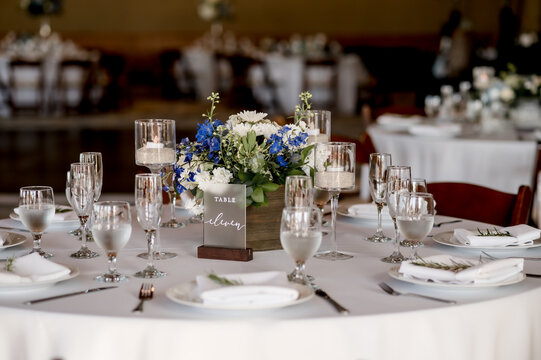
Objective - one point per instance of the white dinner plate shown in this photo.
(512, 280)
(447, 238)
(70, 221)
(365, 216)
(37, 284)
(186, 294)
(11, 239)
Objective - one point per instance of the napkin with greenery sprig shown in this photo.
(508, 236)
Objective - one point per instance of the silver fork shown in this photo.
(145, 293)
(446, 222)
(523, 257)
(391, 291)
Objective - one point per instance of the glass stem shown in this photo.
(151, 239)
(334, 207)
(173, 201)
(397, 236)
(111, 259)
(84, 230)
(379, 229)
(37, 242)
(299, 270)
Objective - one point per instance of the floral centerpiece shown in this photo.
(247, 149)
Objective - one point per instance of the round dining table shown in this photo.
(500, 322)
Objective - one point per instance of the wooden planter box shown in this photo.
(263, 223)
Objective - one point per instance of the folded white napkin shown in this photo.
(262, 288)
(521, 235)
(369, 211)
(435, 130)
(486, 272)
(33, 268)
(59, 216)
(396, 121)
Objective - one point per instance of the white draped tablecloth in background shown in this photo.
(490, 323)
(501, 164)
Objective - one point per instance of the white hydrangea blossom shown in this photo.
(221, 175)
(265, 129)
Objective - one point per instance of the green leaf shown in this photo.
(270, 187)
(249, 202)
(251, 139)
(306, 151)
(249, 191)
(258, 195)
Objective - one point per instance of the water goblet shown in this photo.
(415, 218)
(398, 182)
(168, 179)
(148, 206)
(36, 211)
(112, 229)
(298, 191)
(377, 178)
(418, 185)
(82, 197)
(94, 158)
(334, 172)
(77, 232)
(300, 236)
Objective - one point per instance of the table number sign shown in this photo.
(224, 224)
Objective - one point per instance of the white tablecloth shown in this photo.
(496, 323)
(496, 163)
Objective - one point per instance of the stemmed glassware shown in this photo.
(36, 211)
(95, 159)
(415, 218)
(168, 179)
(300, 236)
(148, 206)
(298, 191)
(155, 148)
(77, 232)
(377, 177)
(334, 172)
(418, 185)
(112, 229)
(398, 182)
(82, 197)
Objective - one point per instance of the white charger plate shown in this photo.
(398, 276)
(75, 221)
(37, 284)
(186, 294)
(11, 239)
(447, 238)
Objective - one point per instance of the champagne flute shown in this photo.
(415, 218)
(298, 191)
(82, 196)
(94, 158)
(148, 206)
(169, 179)
(377, 177)
(300, 236)
(77, 232)
(334, 172)
(36, 211)
(155, 148)
(398, 182)
(418, 185)
(112, 229)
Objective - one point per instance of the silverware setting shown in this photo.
(522, 257)
(145, 293)
(446, 222)
(87, 291)
(389, 290)
(533, 275)
(322, 294)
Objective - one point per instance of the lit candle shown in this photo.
(155, 144)
(155, 152)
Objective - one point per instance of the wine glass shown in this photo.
(94, 158)
(334, 172)
(318, 126)
(377, 177)
(298, 191)
(300, 236)
(112, 229)
(415, 218)
(36, 211)
(148, 206)
(418, 185)
(155, 148)
(321, 197)
(169, 179)
(398, 182)
(82, 197)
(77, 232)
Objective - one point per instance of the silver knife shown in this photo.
(87, 291)
(342, 310)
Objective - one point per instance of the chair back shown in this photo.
(479, 203)
(25, 84)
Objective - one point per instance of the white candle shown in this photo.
(155, 144)
(317, 138)
(155, 155)
(334, 179)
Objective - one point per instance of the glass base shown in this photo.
(378, 237)
(300, 278)
(411, 243)
(84, 253)
(42, 253)
(150, 272)
(111, 278)
(333, 255)
(77, 232)
(162, 255)
(395, 258)
(173, 224)
(194, 220)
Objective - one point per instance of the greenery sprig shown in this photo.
(60, 210)
(495, 232)
(214, 99)
(454, 266)
(9, 264)
(222, 280)
(302, 111)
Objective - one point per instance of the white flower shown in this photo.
(507, 94)
(221, 175)
(241, 129)
(203, 179)
(249, 116)
(265, 129)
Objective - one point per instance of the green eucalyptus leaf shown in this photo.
(258, 195)
(270, 187)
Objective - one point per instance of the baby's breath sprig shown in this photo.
(214, 99)
(495, 232)
(9, 264)
(222, 280)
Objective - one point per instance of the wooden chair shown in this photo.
(479, 203)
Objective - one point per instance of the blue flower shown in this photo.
(204, 131)
(281, 160)
(165, 188)
(180, 189)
